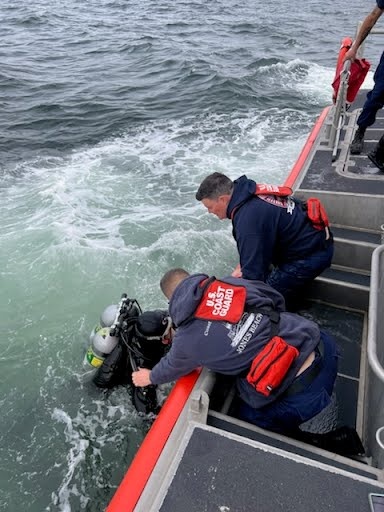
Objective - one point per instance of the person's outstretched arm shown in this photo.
(365, 29)
(177, 362)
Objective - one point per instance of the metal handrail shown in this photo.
(376, 275)
(340, 109)
(341, 104)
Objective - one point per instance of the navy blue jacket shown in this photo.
(269, 232)
(230, 348)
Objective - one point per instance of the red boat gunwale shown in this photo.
(135, 479)
(298, 166)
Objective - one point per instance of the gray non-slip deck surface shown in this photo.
(219, 474)
(321, 174)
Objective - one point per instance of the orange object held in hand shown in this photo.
(358, 71)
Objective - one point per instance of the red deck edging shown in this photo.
(296, 169)
(135, 479)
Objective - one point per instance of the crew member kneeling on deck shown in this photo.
(285, 366)
(271, 227)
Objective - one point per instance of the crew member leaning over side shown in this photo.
(285, 366)
(270, 227)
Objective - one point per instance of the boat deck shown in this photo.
(347, 327)
(349, 173)
(220, 471)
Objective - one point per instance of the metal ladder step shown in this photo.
(342, 287)
(354, 245)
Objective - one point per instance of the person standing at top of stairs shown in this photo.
(375, 97)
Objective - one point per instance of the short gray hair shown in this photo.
(214, 186)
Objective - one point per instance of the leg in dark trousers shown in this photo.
(375, 98)
(373, 103)
(377, 154)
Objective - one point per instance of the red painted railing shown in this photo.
(130, 489)
(296, 169)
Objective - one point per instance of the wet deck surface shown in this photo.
(322, 177)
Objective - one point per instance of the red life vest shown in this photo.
(270, 193)
(223, 301)
(316, 213)
(271, 365)
(262, 189)
(315, 210)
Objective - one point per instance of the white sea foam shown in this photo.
(86, 201)
(75, 456)
(124, 211)
(96, 425)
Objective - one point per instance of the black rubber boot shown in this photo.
(343, 440)
(358, 142)
(377, 154)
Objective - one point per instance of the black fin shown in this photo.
(145, 399)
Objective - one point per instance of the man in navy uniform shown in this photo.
(285, 367)
(225, 325)
(269, 229)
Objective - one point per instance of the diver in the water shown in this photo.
(133, 339)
